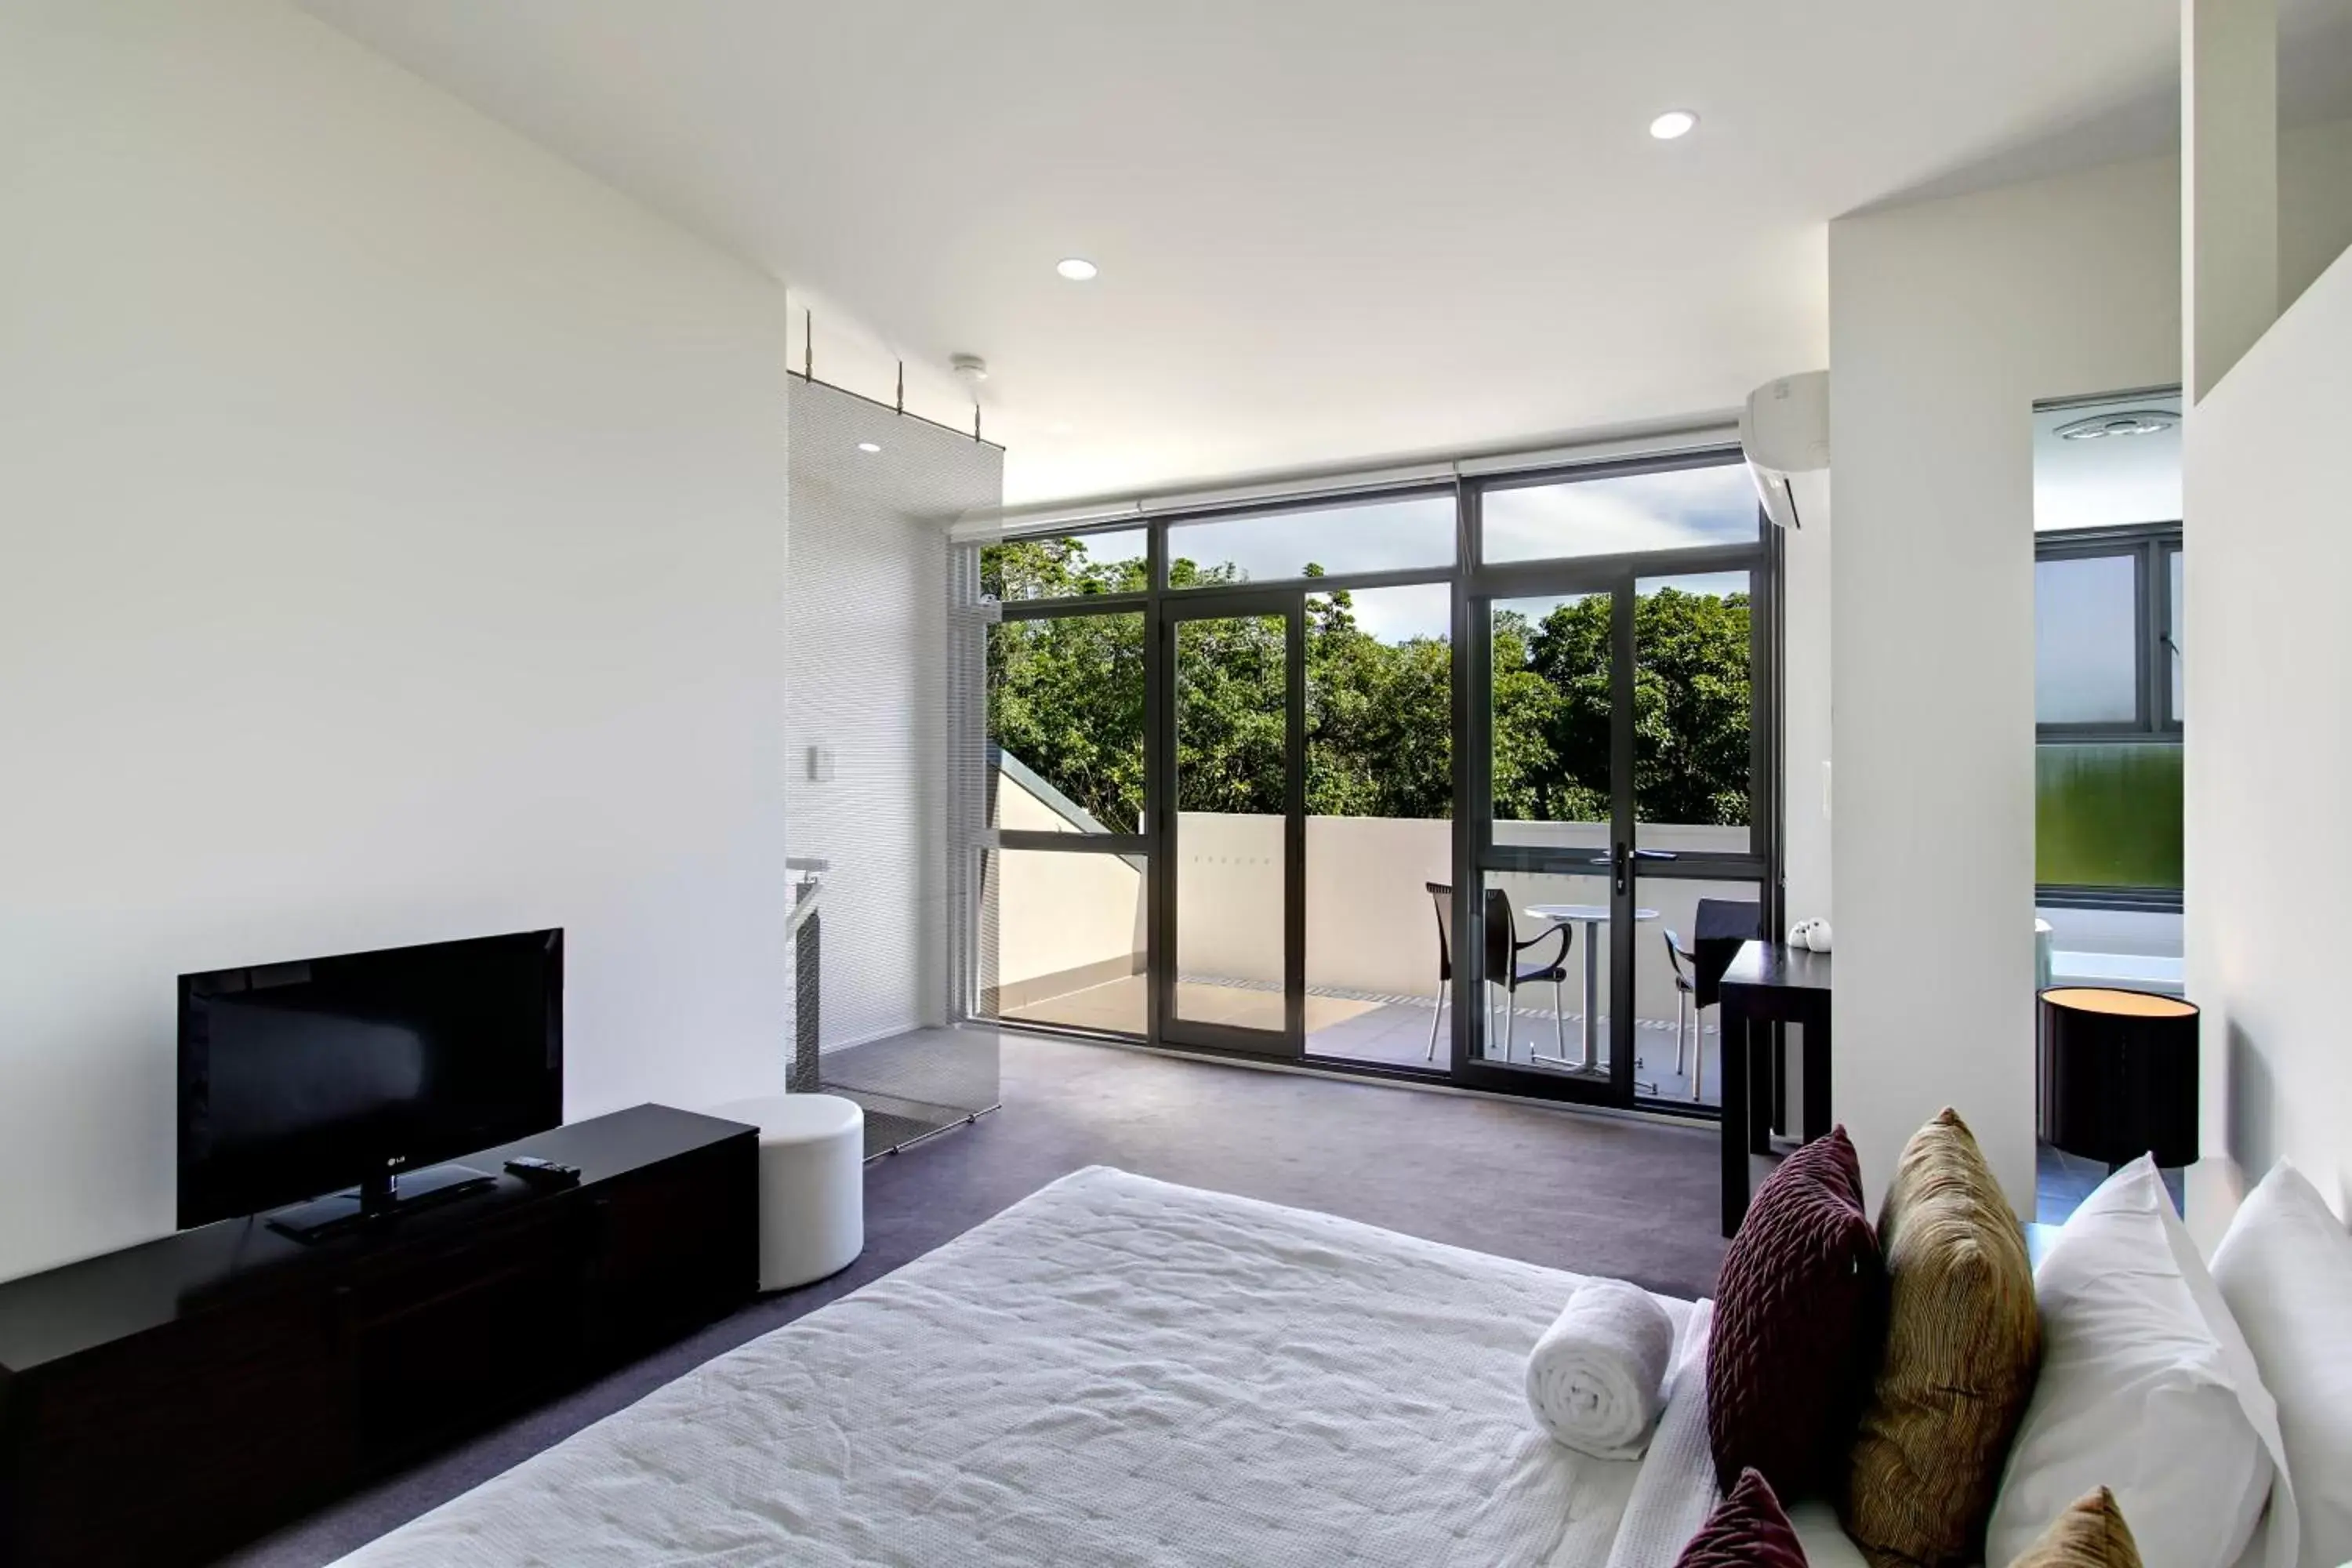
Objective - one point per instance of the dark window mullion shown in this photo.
(2161, 554)
(1473, 791)
(2144, 580)
(1077, 605)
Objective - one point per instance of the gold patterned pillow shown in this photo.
(1963, 1342)
(2091, 1533)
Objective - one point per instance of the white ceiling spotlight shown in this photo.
(1674, 124)
(1077, 269)
(869, 447)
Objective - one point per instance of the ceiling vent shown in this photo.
(2129, 422)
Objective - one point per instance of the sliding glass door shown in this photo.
(1469, 780)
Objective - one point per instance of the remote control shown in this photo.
(543, 1173)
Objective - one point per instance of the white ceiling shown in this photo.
(1329, 230)
(2108, 482)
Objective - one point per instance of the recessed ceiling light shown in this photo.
(1077, 269)
(1673, 124)
(868, 446)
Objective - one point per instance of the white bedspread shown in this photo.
(1114, 1371)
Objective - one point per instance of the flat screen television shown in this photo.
(299, 1079)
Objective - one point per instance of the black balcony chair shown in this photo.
(1503, 966)
(1720, 926)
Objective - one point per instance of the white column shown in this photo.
(2229, 196)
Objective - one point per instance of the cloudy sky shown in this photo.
(1597, 517)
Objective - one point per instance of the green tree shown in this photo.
(1065, 695)
(1567, 658)
(1231, 714)
(1379, 739)
(1692, 708)
(1053, 569)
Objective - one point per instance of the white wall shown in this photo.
(1947, 320)
(2314, 204)
(1807, 687)
(392, 529)
(2270, 744)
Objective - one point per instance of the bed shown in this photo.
(1118, 1370)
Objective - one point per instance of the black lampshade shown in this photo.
(2120, 1074)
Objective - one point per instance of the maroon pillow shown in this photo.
(1746, 1530)
(1799, 1321)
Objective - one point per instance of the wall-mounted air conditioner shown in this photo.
(1784, 432)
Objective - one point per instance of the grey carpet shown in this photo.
(1592, 1194)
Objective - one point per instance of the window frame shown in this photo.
(2151, 546)
(1472, 585)
(1105, 840)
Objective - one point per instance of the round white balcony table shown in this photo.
(1591, 917)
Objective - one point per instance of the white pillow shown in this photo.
(2147, 1388)
(2285, 1269)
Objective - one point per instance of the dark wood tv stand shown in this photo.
(163, 1404)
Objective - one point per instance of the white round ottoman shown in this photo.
(811, 1184)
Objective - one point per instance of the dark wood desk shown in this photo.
(1769, 983)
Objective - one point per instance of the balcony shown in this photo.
(1069, 939)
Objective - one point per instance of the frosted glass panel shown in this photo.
(2085, 640)
(887, 650)
(2107, 816)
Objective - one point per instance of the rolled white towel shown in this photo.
(1597, 1377)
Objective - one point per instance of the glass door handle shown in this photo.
(1639, 855)
(1621, 862)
